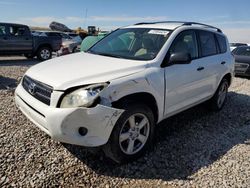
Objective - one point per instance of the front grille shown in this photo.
(40, 91)
(241, 67)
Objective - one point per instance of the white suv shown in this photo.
(114, 94)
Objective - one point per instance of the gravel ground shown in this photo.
(196, 148)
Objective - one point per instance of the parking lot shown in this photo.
(196, 148)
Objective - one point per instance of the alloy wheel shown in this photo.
(134, 133)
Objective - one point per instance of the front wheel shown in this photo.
(44, 53)
(220, 96)
(132, 134)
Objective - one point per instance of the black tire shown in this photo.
(214, 103)
(44, 53)
(29, 56)
(113, 149)
(74, 50)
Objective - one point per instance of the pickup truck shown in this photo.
(16, 39)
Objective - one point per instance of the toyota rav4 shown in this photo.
(115, 94)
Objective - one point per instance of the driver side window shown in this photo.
(185, 42)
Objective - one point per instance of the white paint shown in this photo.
(175, 88)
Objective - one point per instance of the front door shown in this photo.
(20, 39)
(185, 84)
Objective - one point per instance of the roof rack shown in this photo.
(181, 22)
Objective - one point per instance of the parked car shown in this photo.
(16, 39)
(59, 27)
(53, 34)
(72, 34)
(115, 94)
(242, 60)
(69, 44)
(235, 45)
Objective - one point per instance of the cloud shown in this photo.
(37, 20)
(127, 18)
(238, 35)
(232, 29)
(46, 20)
(236, 22)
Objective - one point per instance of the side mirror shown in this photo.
(180, 58)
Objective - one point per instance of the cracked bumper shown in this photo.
(62, 124)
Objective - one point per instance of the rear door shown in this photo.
(211, 61)
(20, 39)
(3, 39)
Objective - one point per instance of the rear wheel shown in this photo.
(220, 97)
(132, 134)
(44, 53)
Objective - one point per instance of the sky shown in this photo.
(232, 16)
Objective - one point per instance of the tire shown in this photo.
(29, 56)
(74, 50)
(217, 102)
(128, 142)
(44, 53)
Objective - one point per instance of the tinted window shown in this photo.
(185, 43)
(2, 30)
(17, 30)
(207, 42)
(222, 43)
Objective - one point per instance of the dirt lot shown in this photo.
(196, 148)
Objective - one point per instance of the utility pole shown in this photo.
(85, 19)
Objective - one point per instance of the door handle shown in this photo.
(200, 68)
(223, 63)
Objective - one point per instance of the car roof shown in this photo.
(172, 25)
(13, 24)
(169, 26)
(243, 47)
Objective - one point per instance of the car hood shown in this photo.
(83, 68)
(242, 59)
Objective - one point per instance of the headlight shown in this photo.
(83, 97)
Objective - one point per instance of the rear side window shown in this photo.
(222, 43)
(207, 43)
(17, 30)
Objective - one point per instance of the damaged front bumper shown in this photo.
(63, 124)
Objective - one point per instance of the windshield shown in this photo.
(132, 43)
(242, 51)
